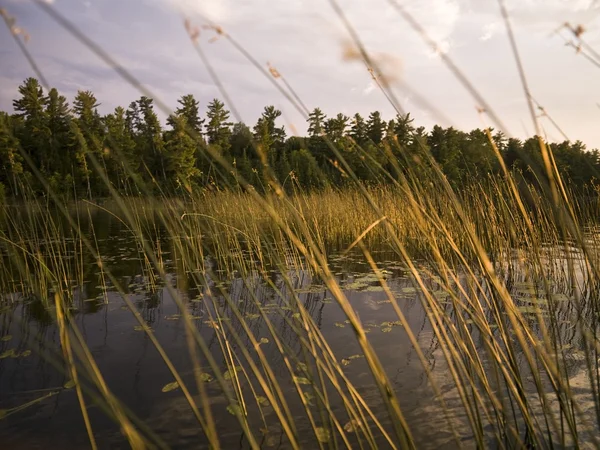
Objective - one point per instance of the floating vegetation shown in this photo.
(170, 387)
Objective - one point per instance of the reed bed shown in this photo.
(507, 274)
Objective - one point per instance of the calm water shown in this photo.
(136, 374)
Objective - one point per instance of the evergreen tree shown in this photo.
(180, 149)
(58, 123)
(120, 143)
(149, 140)
(32, 130)
(218, 129)
(188, 108)
(375, 127)
(358, 130)
(11, 166)
(316, 121)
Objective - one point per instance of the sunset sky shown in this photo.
(305, 40)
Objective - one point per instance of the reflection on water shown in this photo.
(31, 359)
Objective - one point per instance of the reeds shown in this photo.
(505, 272)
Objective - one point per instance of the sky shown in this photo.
(306, 41)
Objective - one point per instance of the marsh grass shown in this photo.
(506, 272)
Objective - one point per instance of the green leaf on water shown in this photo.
(25, 354)
(263, 401)
(69, 384)
(296, 315)
(323, 435)
(301, 367)
(6, 338)
(386, 329)
(206, 377)
(263, 341)
(308, 398)
(351, 426)
(229, 374)
(170, 387)
(234, 409)
(340, 325)
(302, 380)
(10, 353)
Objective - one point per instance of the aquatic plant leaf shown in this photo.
(69, 384)
(6, 338)
(263, 341)
(263, 401)
(302, 380)
(386, 329)
(206, 377)
(231, 372)
(170, 387)
(301, 367)
(323, 434)
(25, 354)
(308, 398)
(296, 315)
(351, 426)
(340, 324)
(10, 353)
(234, 409)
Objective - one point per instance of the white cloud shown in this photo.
(370, 88)
(490, 30)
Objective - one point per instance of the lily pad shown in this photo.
(302, 380)
(263, 401)
(231, 372)
(10, 353)
(323, 434)
(206, 377)
(234, 409)
(170, 387)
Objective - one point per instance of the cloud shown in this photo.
(490, 30)
(370, 88)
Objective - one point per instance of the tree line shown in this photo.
(77, 152)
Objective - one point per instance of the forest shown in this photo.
(49, 143)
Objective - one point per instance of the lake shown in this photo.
(225, 307)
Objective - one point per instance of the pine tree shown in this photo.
(120, 144)
(11, 167)
(58, 123)
(150, 141)
(218, 129)
(180, 150)
(191, 112)
(32, 130)
(359, 130)
(375, 127)
(316, 122)
(336, 127)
